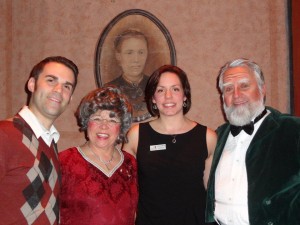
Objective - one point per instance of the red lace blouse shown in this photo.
(89, 196)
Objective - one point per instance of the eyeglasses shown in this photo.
(99, 121)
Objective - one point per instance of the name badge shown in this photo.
(158, 147)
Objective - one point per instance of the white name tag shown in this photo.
(158, 147)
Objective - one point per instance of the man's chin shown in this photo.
(239, 121)
(238, 116)
(55, 112)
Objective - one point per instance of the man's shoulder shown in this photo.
(284, 118)
(6, 129)
(7, 124)
(222, 128)
(15, 124)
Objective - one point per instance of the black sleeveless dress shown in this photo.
(170, 176)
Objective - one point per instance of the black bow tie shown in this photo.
(248, 128)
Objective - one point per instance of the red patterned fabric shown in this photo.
(89, 197)
(29, 171)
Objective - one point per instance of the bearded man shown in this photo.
(255, 173)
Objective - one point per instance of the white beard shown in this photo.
(242, 115)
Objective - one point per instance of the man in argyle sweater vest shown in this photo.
(32, 171)
(29, 168)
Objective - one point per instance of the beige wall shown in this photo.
(206, 34)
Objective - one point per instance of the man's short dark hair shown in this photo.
(38, 68)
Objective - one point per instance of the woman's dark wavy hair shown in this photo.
(106, 98)
(154, 80)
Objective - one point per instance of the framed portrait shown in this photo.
(133, 45)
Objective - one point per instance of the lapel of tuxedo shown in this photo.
(268, 126)
(222, 138)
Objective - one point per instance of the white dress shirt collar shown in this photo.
(38, 129)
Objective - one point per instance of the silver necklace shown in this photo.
(103, 161)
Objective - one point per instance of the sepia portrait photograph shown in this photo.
(133, 45)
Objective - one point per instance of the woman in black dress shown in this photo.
(173, 153)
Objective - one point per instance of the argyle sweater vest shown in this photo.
(29, 176)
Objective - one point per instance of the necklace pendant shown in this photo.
(106, 165)
(174, 140)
